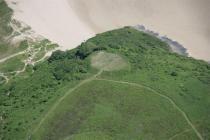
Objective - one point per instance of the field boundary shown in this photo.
(179, 134)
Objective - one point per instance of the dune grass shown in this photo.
(5, 18)
(13, 64)
(8, 49)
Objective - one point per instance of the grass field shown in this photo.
(112, 111)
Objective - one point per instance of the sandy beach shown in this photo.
(70, 22)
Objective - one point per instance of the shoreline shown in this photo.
(174, 45)
(75, 21)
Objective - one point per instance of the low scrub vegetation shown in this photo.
(108, 110)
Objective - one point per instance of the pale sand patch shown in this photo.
(70, 22)
(108, 61)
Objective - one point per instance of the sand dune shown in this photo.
(69, 22)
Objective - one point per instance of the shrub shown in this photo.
(174, 73)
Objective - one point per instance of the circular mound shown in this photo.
(108, 61)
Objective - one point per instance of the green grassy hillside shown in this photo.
(112, 111)
(122, 84)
